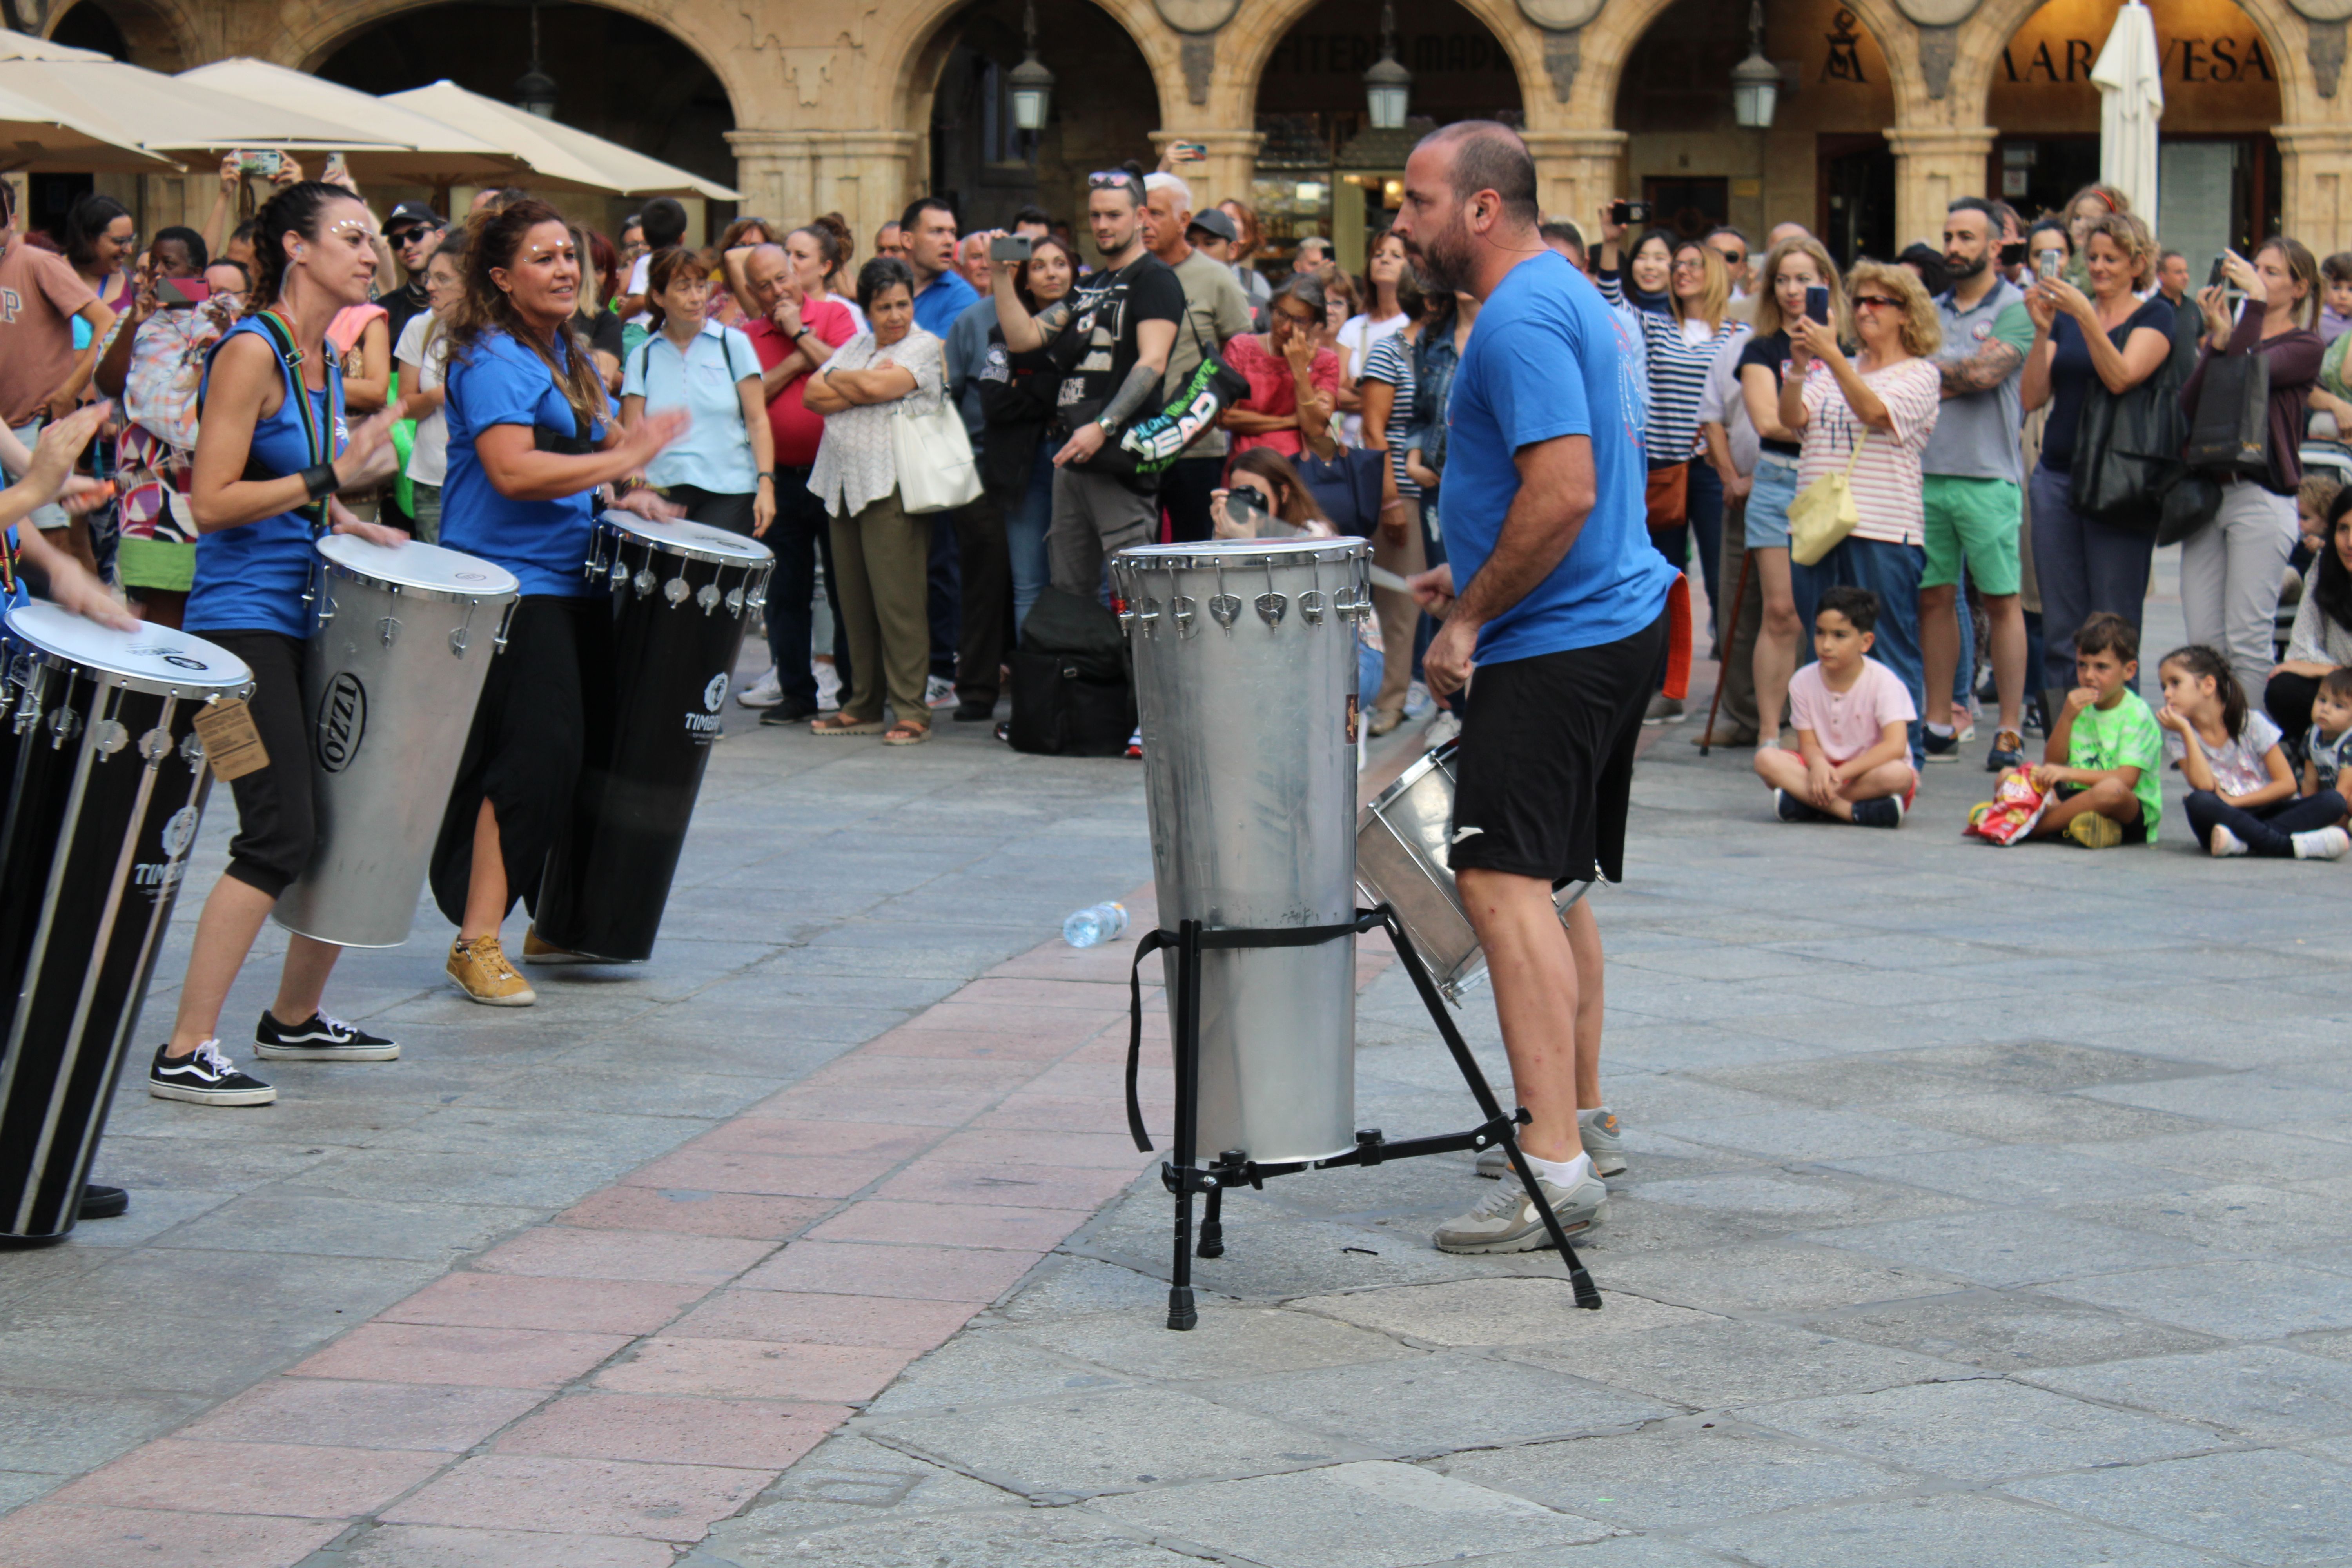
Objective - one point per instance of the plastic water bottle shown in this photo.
(1094, 924)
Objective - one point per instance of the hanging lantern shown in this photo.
(1031, 84)
(534, 90)
(1755, 82)
(1387, 86)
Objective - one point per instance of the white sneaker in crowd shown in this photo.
(1416, 700)
(765, 692)
(2322, 844)
(828, 687)
(939, 693)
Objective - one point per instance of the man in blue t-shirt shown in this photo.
(1561, 608)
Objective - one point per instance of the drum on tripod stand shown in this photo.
(1246, 680)
(106, 781)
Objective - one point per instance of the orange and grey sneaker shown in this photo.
(535, 950)
(481, 971)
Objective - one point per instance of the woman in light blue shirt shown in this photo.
(723, 472)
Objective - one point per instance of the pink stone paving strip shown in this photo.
(597, 1392)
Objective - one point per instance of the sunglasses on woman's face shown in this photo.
(1875, 302)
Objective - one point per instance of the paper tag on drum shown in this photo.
(231, 742)
(1351, 718)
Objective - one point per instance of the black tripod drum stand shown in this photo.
(1184, 1177)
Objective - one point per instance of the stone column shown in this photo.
(1576, 172)
(2315, 168)
(1231, 164)
(790, 176)
(1933, 168)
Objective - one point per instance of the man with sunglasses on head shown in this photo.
(1111, 336)
(413, 231)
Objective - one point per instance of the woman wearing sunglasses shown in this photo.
(1877, 411)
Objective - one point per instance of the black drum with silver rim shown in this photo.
(682, 596)
(106, 781)
(401, 642)
(1402, 861)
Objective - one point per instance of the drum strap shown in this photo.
(1211, 940)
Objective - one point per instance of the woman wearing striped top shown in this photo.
(1884, 400)
(1682, 343)
(1386, 389)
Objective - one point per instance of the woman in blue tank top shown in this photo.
(533, 449)
(271, 454)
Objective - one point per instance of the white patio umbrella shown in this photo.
(435, 155)
(558, 153)
(2130, 77)
(35, 139)
(156, 113)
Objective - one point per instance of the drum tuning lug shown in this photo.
(1225, 609)
(1185, 614)
(506, 624)
(675, 590)
(388, 629)
(1148, 616)
(191, 750)
(734, 601)
(111, 737)
(1310, 606)
(1127, 622)
(644, 581)
(1270, 607)
(707, 597)
(757, 599)
(458, 639)
(155, 745)
(619, 577)
(63, 724)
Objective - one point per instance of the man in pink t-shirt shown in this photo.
(1852, 715)
(792, 338)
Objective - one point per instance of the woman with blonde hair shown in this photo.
(2108, 337)
(1681, 343)
(1791, 268)
(1870, 418)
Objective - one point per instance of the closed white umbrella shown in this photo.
(135, 108)
(2130, 78)
(435, 155)
(559, 153)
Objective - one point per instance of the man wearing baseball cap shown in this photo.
(413, 231)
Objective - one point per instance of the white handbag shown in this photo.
(937, 471)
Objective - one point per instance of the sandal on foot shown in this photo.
(903, 734)
(839, 723)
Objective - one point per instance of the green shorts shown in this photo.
(1977, 518)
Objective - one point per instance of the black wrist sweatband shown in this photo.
(320, 481)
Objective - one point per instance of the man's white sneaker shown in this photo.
(765, 692)
(828, 687)
(1508, 1221)
(939, 692)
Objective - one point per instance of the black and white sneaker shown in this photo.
(325, 1038)
(206, 1078)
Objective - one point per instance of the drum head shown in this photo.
(1235, 554)
(693, 540)
(153, 659)
(414, 567)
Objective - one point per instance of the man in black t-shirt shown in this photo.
(1111, 336)
(413, 231)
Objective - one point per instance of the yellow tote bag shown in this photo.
(1823, 512)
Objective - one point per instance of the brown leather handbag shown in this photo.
(1669, 496)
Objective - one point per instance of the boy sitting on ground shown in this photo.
(2328, 750)
(2104, 750)
(1852, 714)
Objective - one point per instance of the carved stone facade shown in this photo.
(832, 103)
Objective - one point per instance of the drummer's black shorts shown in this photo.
(277, 819)
(1545, 767)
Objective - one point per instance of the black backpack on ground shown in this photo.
(1072, 696)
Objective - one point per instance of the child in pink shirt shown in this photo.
(1853, 758)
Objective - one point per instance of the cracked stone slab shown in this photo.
(2266, 1507)
(1063, 1449)
(1676, 1476)
(2257, 1299)
(849, 1479)
(1981, 1430)
(1365, 1515)
(2262, 1393)
(2002, 1332)
(2004, 1247)
(1030, 1538)
(1230, 1341)
(1713, 1365)
(986, 1367)
(1496, 1312)
(1770, 1276)
(1968, 1531)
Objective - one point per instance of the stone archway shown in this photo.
(160, 34)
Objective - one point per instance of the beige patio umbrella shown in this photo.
(131, 107)
(35, 139)
(558, 153)
(433, 153)
(2130, 76)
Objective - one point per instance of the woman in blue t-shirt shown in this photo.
(2111, 338)
(272, 452)
(532, 444)
(71, 585)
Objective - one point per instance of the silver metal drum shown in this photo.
(1246, 680)
(105, 781)
(401, 645)
(1401, 860)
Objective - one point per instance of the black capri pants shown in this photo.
(276, 813)
(524, 752)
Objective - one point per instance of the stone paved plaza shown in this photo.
(1986, 1208)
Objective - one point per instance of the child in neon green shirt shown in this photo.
(2109, 792)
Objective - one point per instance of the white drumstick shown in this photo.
(1384, 578)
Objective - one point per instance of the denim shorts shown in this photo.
(1767, 501)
